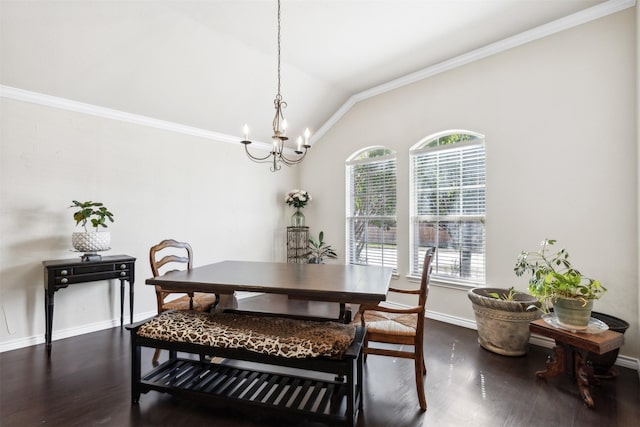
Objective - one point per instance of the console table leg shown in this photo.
(131, 299)
(555, 363)
(48, 306)
(121, 302)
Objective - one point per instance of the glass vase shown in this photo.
(297, 219)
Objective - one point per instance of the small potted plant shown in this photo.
(502, 318)
(555, 282)
(97, 214)
(318, 250)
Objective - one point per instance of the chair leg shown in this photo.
(420, 383)
(156, 354)
(365, 348)
(420, 372)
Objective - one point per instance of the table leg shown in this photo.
(48, 306)
(131, 300)
(345, 313)
(584, 374)
(121, 301)
(555, 363)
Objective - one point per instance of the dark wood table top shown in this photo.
(595, 343)
(355, 284)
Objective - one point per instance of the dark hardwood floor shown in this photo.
(86, 383)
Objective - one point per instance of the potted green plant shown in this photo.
(502, 318)
(97, 214)
(555, 282)
(319, 250)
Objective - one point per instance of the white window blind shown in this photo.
(448, 207)
(371, 208)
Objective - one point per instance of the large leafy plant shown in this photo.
(552, 275)
(318, 249)
(94, 212)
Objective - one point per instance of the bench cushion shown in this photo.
(275, 336)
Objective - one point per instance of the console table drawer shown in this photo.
(82, 278)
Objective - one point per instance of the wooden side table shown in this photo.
(570, 354)
(61, 273)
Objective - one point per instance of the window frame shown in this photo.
(420, 148)
(355, 159)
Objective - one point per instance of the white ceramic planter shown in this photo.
(91, 241)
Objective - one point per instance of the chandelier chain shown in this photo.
(279, 49)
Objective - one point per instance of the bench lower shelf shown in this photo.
(313, 398)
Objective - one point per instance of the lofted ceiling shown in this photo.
(211, 64)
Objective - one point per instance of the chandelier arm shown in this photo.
(265, 159)
(288, 161)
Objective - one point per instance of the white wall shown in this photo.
(159, 184)
(638, 145)
(559, 115)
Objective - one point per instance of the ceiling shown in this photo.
(212, 64)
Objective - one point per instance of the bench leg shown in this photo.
(136, 371)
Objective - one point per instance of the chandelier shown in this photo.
(279, 125)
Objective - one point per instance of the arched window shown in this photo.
(448, 205)
(371, 207)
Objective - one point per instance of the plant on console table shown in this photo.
(554, 281)
(298, 199)
(97, 215)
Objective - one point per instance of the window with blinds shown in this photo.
(448, 206)
(371, 208)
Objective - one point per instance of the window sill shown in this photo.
(446, 283)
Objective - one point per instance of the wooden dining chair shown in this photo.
(171, 255)
(401, 326)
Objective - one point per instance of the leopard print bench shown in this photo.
(271, 335)
(314, 348)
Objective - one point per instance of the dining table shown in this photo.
(338, 283)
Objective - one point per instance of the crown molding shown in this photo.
(595, 12)
(108, 113)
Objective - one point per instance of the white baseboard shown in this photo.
(69, 332)
(84, 329)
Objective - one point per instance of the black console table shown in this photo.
(61, 273)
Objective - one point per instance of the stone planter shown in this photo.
(503, 326)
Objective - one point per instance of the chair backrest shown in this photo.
(426, 273)
(172, 257)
